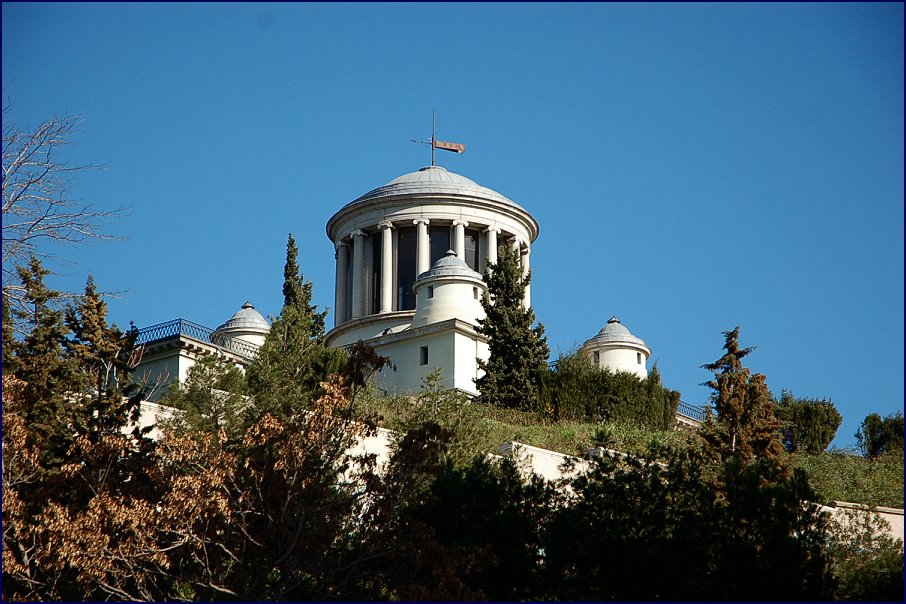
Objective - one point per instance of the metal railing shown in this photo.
(183, 327)
(697, 413)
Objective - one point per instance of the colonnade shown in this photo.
(388, 270)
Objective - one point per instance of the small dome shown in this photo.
(246, 319)
(614, 332)
(448, 266)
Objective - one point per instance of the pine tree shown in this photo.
(746, 425)
(10, 362)
(103, 354)
(42, 366)
(293, 361)
(518, 351)
(210, 401)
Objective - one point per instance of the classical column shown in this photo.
(358, 265)
(459, 238)
(516, 246)
(527, 298)
(386, 265)
(492, 245)
(422, 247)
(339, 309)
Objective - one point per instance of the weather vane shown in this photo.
(436, 144)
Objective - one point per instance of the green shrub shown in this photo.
(577, 390)
(843, 475)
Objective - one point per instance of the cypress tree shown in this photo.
(297, 292)
(293, 360)
(518, 351)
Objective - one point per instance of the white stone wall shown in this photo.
(619, 358)
(466, 371)
(847, 513)
(550, 465)
(406, 355)
(150, 415)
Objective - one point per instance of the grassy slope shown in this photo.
(836, 475)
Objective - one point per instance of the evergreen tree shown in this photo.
(809, 425)
(42, 366)
(518, 351)
(10, 363)
(104, 355)
(210, 401)
(293, 361)
(877, 436)
(297, 292)
(746, 426)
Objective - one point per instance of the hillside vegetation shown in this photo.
(836, 475)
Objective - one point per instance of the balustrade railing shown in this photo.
(183, 327)
(697, 413)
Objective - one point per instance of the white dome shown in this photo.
(432, 180)
(614, 333)
(245, 319)
(448, 266)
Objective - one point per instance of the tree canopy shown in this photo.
(877, 435)
(808, 425)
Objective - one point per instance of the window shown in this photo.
(473, 248)
(638, 357)
(430, 291)
(423, 355)
(475, 292)
(597, 357)
(440, 242)
(374, 285)
(405, 268)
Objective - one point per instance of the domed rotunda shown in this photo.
(387, 242)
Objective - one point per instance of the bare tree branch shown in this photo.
(37, 210)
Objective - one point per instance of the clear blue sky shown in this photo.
(693, 167)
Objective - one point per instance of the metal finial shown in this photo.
(436, 144)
